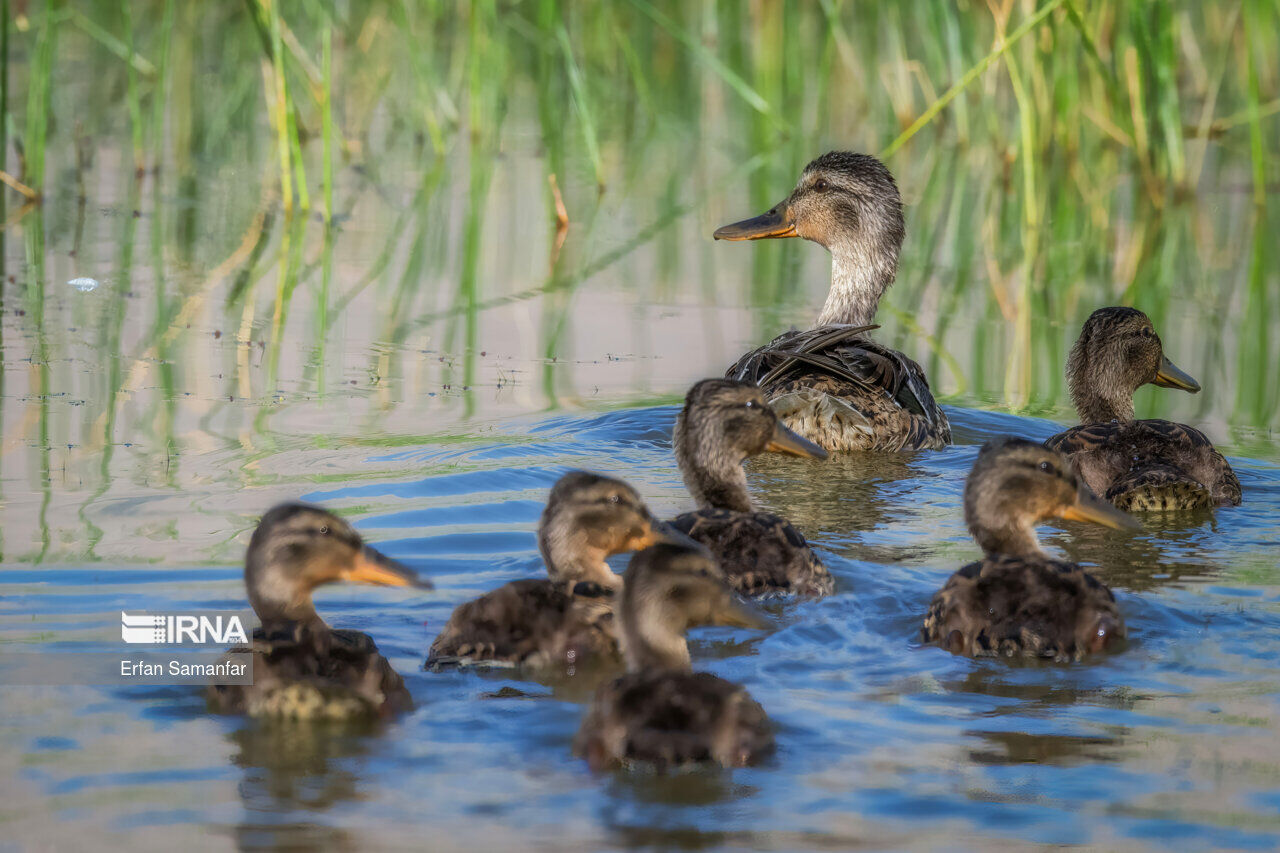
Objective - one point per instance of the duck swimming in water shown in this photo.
(722, 424)
(566, 619)
(1136, 464)
(832, 384)
(302, 668)
(1017, 600)
(661, 713)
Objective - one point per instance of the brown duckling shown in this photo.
(1136, 464)
(302, 668)
(565, 620)
(832, 384)
(1017, 599)
(661, 713)
(724, 422)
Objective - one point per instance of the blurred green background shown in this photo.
(318, 228)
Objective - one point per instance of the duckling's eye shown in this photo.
(324, 531)
(613, 499)
(751, 404)
(821, 185)
(1046, 467)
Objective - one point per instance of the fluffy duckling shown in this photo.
(722, 424)
(1137, 465)
(302, 668)
(567, 618)
(1017, 599)
(832, 384)
(661, 713)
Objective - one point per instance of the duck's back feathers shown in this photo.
(304, 673)
(672, 719)
(1150, 465)
(844, 391)
(760, 553)
(529, 623)
(1034, 607)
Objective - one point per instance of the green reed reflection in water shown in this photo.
(519, 196)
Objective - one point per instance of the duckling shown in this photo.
(302, 668)
(660, 712)
(722, 424)
(567, 618)
(1017, 599)
(832, 384)
(1138, 465)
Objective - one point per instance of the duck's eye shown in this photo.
(751, 404)
(324, 531)
(1046, 467)
(821, 185)
(613, 499)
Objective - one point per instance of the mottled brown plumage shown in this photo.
(302, 668)
(565, 620)
(832, 384)
(722, 424)
(1017, 600)
(661, 714)
(1151, 465)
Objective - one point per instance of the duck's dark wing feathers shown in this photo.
(760, 553)
(306, 673)
(1023, 606)
(888, 390)
(1150, 464)
(673, 719)
(533, 623)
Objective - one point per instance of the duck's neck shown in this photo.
(1094, 407)
(571, 558)
(1010, 539)
(714, 476)
(649, 640)
(859, 277)
(278, 603)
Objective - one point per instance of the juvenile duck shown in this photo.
(661, 713)
(302, 668)
(1138, 465)
(724, 422)
(832, 384)
(567, 618)
(1017, 599)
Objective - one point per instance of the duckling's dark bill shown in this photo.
(1171, 376)
(771, 224)
(1089, 507)
(373, 567)
(736, 613)
(786, 441)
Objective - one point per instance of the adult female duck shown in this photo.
(832, 384)
(566, 619)
(1137, 464)
(1017, 600)
(722, 424)
(302, 668)
(662, 714)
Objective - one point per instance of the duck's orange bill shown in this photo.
(786, 441)
(1089, 507)
(775, 223)
(374, 567)
(737, 613)
(1169, 375)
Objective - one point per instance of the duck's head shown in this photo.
(590, 517)
(724, 422)
(297, 548)
(1016, 484)
(668, 589)
(1117, 353)
(850, 204)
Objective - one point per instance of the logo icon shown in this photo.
(181, 629)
